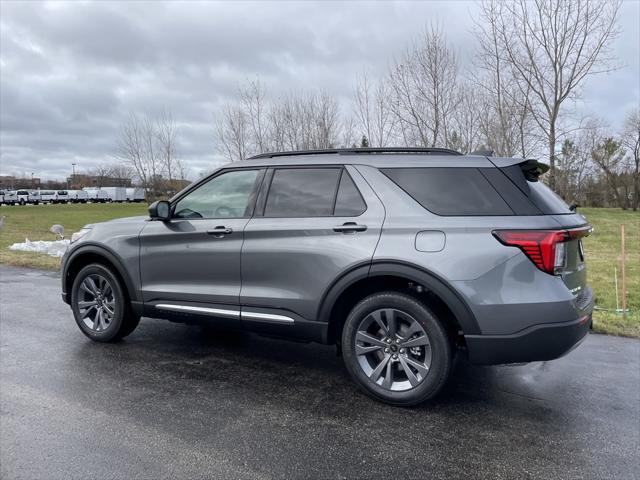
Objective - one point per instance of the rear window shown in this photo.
(450, 191)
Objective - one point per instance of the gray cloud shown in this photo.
(72, 72)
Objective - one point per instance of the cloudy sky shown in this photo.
(71, 72)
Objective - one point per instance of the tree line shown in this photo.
(529, 66)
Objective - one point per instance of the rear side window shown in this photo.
(302, 192)
(547, 200)
(450, 191)
(349, 202)
(540, 195)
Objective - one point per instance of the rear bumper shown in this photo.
(537, 343)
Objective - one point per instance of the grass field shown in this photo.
(602, 250)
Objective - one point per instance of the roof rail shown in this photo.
(359, 151)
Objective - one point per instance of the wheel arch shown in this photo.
(88, 254)
(394, 275)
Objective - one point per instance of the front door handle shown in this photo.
(349, 227)
(220, 231)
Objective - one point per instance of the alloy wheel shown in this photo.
(96, 302)
(393, 349)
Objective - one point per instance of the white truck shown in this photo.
(116, 194)
(8, 197)
(24, 196)
(78, 196)
(96, 195)
(135, 194)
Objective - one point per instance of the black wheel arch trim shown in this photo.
(111, 257)
(412, 272)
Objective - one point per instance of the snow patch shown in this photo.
(54, 248)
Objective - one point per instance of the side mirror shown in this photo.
(160, 210)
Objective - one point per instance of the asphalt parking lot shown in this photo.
(183, 402)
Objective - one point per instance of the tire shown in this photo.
(390, 372)
(110, 318)
(22, 202)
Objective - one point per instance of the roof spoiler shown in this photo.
(531, 168)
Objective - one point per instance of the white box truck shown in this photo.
(116, 194)
(78, 196)
(135, 194)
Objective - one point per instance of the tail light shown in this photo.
(545, 248)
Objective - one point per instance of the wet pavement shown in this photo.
(186, 402)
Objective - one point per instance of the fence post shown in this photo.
(624, 275)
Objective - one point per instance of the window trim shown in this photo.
(366, 205)
(250, 208)
(261, 201)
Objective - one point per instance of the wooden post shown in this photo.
(624, 276)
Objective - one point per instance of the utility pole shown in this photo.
(73, 175)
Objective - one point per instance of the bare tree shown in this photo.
(630, 139)
(424, 84)
(373, 112)
(551, 47)
(253, 101)
(165, 135)
(232, 133)
(506, 122)
(101, 174)
(139, 146)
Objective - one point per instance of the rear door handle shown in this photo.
(349, 227)
(220, 231)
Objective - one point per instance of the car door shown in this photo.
(312, 224)
(191, 263)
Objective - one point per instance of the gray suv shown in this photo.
(401, 257)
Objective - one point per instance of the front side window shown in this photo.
(302, 192)
(226, 196)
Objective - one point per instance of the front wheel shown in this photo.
(396, 349)
(99, 305)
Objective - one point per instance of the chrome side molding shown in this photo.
(216, 312)
(267, 317)
(221, 312)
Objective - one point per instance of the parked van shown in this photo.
(78, 196)
(96, 195)
(8, 197)
(135, 194)
(47, 196)
(62, 196)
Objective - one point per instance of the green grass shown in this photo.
(602, 248)
(33, 222)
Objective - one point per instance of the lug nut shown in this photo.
(388, 340)
(395, 355)
(386, 350)
(402, 350)
(398, 341)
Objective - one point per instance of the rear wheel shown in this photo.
(100, 306)
(396, 349)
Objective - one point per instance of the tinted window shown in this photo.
(546, 199)
(450, 191)
(226, 196)
(302, 192)
(349, 202)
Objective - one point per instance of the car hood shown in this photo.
(140, 220)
